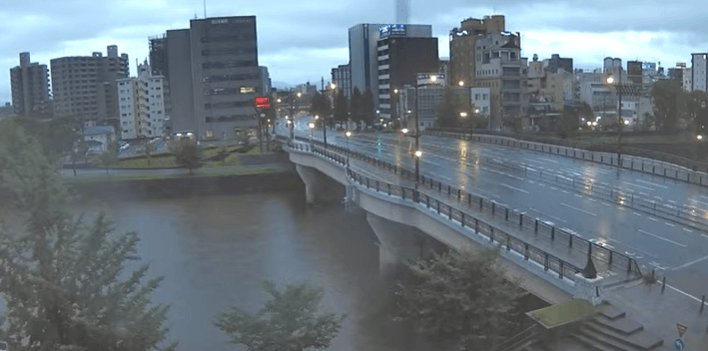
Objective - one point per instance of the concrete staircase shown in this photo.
(611, 330)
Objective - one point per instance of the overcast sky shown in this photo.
(301, 41)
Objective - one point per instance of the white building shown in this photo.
(699, 73)
(688, 79)
(98, 138)
(480, 99)
(141, 105)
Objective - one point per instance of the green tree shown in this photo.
(355, 105)
(147, 148)
(187, 154)
(568, 122)
(341, 108)
(447, 112)
(57, 136)
(459, 300)
(367, 107)
(109, 158)
(665, 95)
(696, 109)
(64, 282)
(288, 322)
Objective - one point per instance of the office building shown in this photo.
(463, 43)
(142, 111)
(363, 54)
(635, 73)
(85, 86)
(6, 110)
(556, 63)
(29, 84)
(400, 59)
(547, 94)
(699, 72)
(213, 75)
(500, 67)
(265, 81)
(342, 79)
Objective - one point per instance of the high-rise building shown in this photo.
(85, 86)
(213, 75)
(265, 81)
(500, 67)
(400, 59)
(556, 62)
(363, 51)
(699, 71)
(142, 110)
(30, 88)
(463, 44)
(342, 79)
(6, 110)
(635, 74)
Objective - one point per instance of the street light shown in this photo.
(462, 83)
(463, 114)
(618, 86)
(699, 137)
(347, 134)
(404, 130)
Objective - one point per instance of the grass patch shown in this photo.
(117, 178)
(231, 160)
(563, 313)
(155, 162)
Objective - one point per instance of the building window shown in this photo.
(247, 90)
(209, 134)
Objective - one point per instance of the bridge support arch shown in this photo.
(319, 188)
(399, 243)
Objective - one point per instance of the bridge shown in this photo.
(404, 215)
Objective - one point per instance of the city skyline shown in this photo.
(302, 42)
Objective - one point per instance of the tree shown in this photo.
(57, 137)
(367, 107)
(286, 323)
(340, 106)
(109, 158)
(448, 110)
(568, 122)
(63, 281)
(459, 300)
(356, 105)
(665, 95)
(147, 148)
(187, 154)
(695, 104)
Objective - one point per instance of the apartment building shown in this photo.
(85, 86)
(142, 108)
(463, 46)
(29, 84)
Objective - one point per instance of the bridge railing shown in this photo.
(685, 214)
(675, 168)
(529, 252)
(477, 203)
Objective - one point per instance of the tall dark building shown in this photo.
(342, 78)
(30, 88)
(400, 60)
(213, 75)
(463, 45)
(85, 86)
(556, 62)
(634, 72)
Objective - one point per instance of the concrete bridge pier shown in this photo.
(319, 188)
(399, 243)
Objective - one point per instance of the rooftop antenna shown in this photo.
(205, 13)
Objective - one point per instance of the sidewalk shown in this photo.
(659, 312)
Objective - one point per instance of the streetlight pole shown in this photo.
(347, 134)
(620, 120)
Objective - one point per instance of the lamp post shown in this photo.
(347, 134)
(312, 128)
(620, 121)
(416, 153)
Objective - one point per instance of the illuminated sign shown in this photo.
(648, 66)
(262, 102)
(391, 30)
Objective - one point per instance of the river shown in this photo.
(214, 251)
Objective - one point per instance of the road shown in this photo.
(667, 245)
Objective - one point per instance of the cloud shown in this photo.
(303, 40)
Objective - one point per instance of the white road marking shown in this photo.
(637, 214)
(653, 219)
(578, 196)
(513, 188)
(650, 183)
(684, 293)
(669, 224)
(688, 230)
(661, 238)
(565, 192)
(606, 204)
(673, 202)
(578, 209)
(705, 236)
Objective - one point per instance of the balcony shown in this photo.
(383, 57)
(382, 48)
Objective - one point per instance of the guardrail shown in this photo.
(641, 164)
(529, 252)
(477, 203)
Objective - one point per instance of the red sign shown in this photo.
(262, 102)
